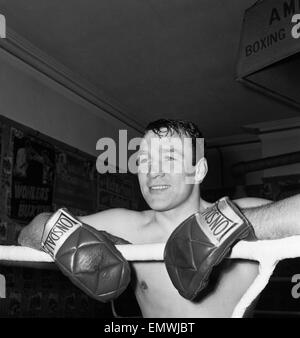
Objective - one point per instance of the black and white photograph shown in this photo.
(149, 162)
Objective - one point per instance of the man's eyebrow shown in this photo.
(172, 150)
(143, 152)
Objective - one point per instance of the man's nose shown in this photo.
(155, 169)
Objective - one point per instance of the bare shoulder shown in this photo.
(120, 222)
(113, 214)
(251, 202)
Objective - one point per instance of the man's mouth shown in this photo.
(158, 187)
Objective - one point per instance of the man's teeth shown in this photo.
(159, 187)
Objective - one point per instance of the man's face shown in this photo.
(165, 170)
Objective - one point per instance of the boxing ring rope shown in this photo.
(266, 252)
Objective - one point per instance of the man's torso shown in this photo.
(155, 293)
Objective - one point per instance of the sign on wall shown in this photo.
(75, 183)
(32, 176)
(270, 33)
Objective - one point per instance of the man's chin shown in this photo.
(159, 207)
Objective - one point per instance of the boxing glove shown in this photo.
(201, 242)
(87, 256)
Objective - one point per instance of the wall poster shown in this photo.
(32, 176)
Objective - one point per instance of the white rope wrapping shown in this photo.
(267, 253)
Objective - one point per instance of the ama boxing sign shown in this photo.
(270, 33)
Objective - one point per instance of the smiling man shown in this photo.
(171, 167)
(167, 168)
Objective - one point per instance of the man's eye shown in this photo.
(170, 158)
(142, 160)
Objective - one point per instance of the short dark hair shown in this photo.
(180, 127)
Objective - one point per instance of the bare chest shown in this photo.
(157, 297)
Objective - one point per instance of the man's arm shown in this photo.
(272, 220)
(89, 258)
(118, 222)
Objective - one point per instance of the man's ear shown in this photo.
(201, 170)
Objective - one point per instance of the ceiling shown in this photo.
(157, 58)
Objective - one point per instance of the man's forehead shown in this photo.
(164, 141)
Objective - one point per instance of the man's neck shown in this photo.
(170, 219)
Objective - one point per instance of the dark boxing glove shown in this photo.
(201, 242)
(87, 256)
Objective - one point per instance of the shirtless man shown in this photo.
(171, 200)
